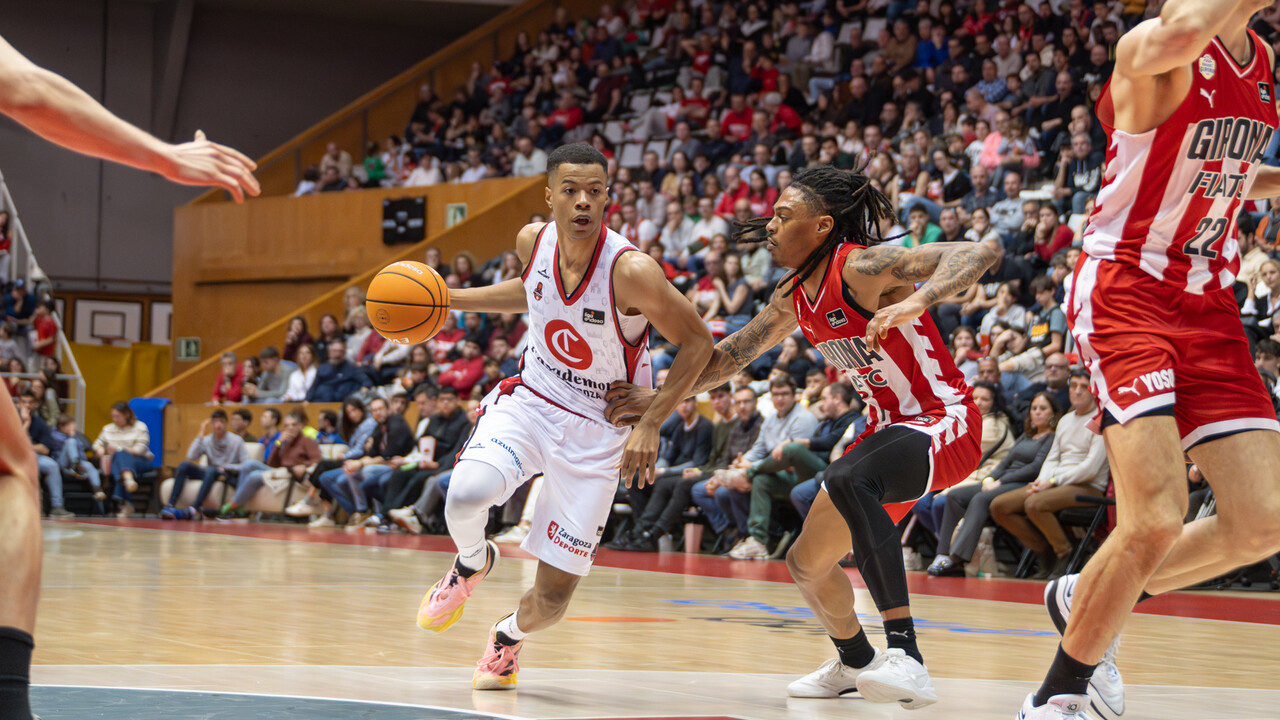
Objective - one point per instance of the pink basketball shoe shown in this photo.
(443, 604)
(497, 669)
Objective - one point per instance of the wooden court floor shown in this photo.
(285, 611)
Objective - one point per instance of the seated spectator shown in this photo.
(72, 456)
(919, 230)
(982, 195)
(972, 503)
(777, 431)
(727, 518)
(1079, 174)
(463, 373)
(14, 384)
(238, 424)
(331, 180)
(46, 402)
(295, 337)
(294, 453)
(1005, 310)
(338, 378)
(327, 429)
(998, 436)
(336, 158)
(687, 444)
(390, 442)
(330, 330)
(43, 441)
(443, 428)
(125, 447)
(362, 341)
(1047, 334)
(301, 379)
(807, 458)
(225, 454)
(272, 378)
(8, 345)
(966, 351)
(1076, 465)
(355, 428)
(228, 387)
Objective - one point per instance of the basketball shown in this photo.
(407, 302)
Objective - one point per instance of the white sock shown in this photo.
(507, 626)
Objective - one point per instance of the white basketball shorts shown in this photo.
(523, 436)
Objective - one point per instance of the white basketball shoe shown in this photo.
(1106, 687)
(832, 679)
(1059, 707)
(895, 676)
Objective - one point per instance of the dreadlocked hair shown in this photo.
(851, 201)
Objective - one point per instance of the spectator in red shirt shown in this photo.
(46, 330)
(567, 114)
(734, 190)
(781, 116)
(735, 126)
(510, 326)
(1051, 235)
(760, 195)
(463, 374)
(230, 380)
(764, 75)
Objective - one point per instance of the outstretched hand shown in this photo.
(627, 403)
(891, 316)
(201, 162)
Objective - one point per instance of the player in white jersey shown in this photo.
(590, 300)
(60, 112)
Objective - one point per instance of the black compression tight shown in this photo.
(891, 466)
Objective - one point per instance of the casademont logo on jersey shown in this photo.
(1241, 139)
(561, 538)
(854, 357)
(567, 345)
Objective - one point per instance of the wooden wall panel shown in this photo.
(245, 317)
(390, 115)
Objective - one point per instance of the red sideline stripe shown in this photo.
(1206, 606)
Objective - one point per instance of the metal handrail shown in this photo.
(23, 266)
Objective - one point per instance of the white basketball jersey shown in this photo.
(578, 342)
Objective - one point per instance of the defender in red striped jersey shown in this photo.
(860, 307)
(1189, 112)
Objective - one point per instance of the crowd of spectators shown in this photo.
(975, 118)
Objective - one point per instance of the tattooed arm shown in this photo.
(944, 269)
(768, 328)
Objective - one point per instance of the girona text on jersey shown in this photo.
(1241, 139)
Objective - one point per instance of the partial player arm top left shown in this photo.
(55, 109)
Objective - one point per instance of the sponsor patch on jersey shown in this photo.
(836, 318)
(1208, 67)
(1264, 92)
(593, 317)
(537, 292)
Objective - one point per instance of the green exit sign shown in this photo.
(188, 349)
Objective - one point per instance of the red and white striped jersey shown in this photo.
(578, 341)
(911, 379)
(1170, 196)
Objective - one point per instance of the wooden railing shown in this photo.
(385, 110)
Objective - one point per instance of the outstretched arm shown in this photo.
(53, 108)
(776, 321)
(639, 279)
(507, 296)
(1174, 39)
(944, 269)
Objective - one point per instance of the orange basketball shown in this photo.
(407, 302)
